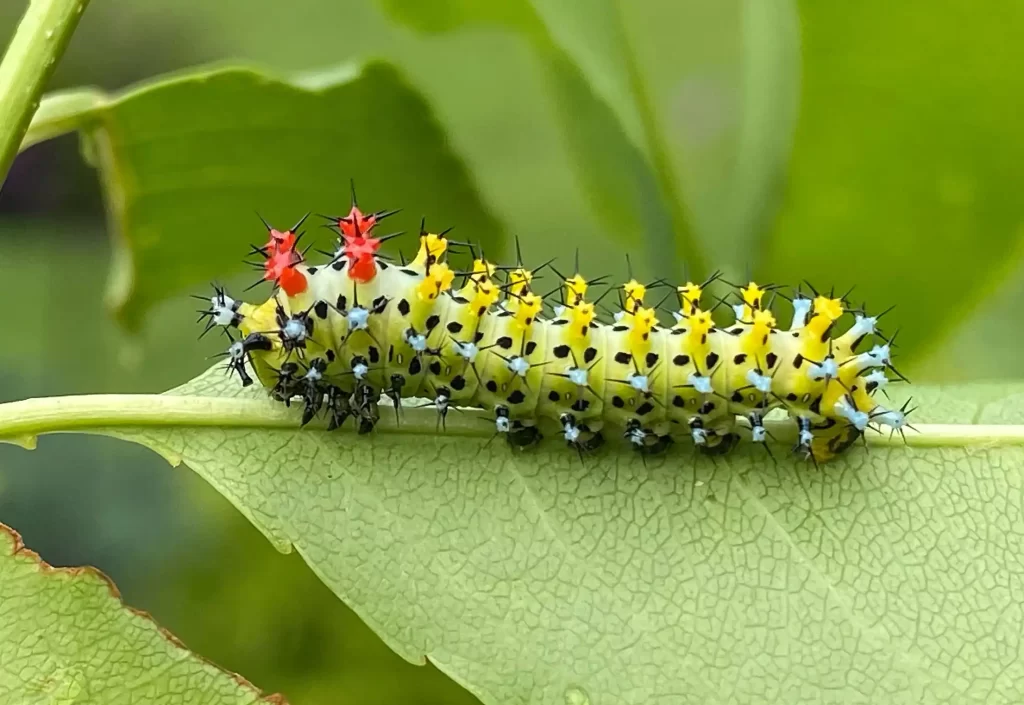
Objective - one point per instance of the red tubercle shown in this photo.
(282, 257)
(356, 224)
(357, 246)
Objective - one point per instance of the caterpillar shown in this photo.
(342, 337)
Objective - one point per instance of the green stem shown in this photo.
(22, 421)
(38, 43)
(663, 245)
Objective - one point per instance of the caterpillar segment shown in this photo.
(342, 338)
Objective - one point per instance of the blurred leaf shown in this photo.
(186, 160)
(533, 578)
(601, 103)
(907, 161)
(66, 637)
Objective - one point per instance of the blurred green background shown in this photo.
(864, 144)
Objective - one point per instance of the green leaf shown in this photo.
(662, 105)
(604, 112)
(890, 575)
(66, 637)
(906, 161)
(186, 160)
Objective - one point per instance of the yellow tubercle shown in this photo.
(527, 309)
(757, 338)
(635, 292)
(824, 314)
(580, 317)
(644, 320)
(575, 290)
(695, 342)
(483, 295)
(519, 281)
(752, 296)
(689, 297)
(438, 279)
(432, 247)
(482, 271)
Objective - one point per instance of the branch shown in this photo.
(38, 43)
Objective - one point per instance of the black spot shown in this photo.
(561, 351)
(338, 266)
(382, 265)
(681, 360)
(580, 405)
(737, 397)
(739, 359)
(374, 354)
(342, 303)
(481, 311)
(711, 360)
(645, 408)
(815, 406)
(589, 354)
(645, 336)
(798, 360)
(553, 395)
(704, 339)
(870, 386)
(791, 396)
(458, 382)
(530, 347)
(770, 359)
(706, 408)
(623, 358)
(311, 270)
(410, 272)
(678, 331)
(504, 342)
(320, 309)
(735, 331)
(330, 355)
(678, 402)
(583, 331)
(435, 368)
(516, 397)
(651, 359)
(492, 386)
(796, 334)
(764, 340)
(528, 321)
(478, 337)
(403, 307)
(415, 366)
(504, 314)
(454, 327)
(559, 322)
(432, 322)
(618, 403)
(619, 329)
(391, 353)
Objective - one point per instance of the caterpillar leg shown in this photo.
(719, 444)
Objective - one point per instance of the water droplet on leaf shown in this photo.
(575, 695)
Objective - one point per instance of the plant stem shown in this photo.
(38, 43)
(22, 421)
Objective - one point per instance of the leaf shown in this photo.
(906, 160)
(186, 160)
(888, 576)
(587, 65)
(66, 637)
(662, 105)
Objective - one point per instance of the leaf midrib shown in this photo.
(31, 417)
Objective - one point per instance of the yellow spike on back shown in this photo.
(438, 279)
(635, 292)
(519, 280)
(689, 297)
(432, 247)
(575, 290)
